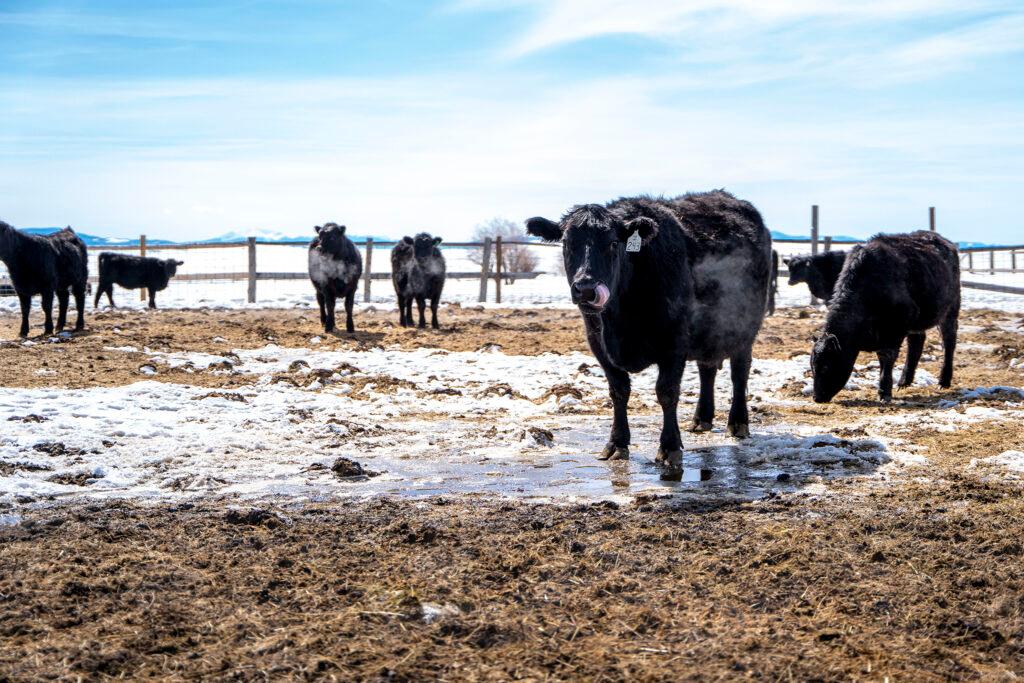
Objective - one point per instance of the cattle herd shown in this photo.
(658, 281)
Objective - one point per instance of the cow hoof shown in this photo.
(885, 399)
(699, 426)
(740, 431)
(613, 452)
(671, 458)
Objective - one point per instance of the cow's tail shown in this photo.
(773, 286)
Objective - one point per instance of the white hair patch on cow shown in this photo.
(323, 267)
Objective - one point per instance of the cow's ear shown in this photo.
(342, 229)
(643, 226)
(317, 228)
(437, 241)
(180, 263)
(786, 260)
(549, 231)
(407, 239)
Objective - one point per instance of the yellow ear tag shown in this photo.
(633, 243)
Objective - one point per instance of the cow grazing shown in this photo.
(892, 287)
(132, 272)
(46, 265)
(820, 272)
(660, 282)
(418, 272)
(773, 288)
(335, 267)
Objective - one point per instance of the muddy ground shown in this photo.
(915, 577)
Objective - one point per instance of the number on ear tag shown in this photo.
(633, 243)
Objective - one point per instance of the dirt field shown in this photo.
(913, 572)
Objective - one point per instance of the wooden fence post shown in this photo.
(252, 270)
(828, 243)
(992, 262)
(931, 218)
(142, 252)
(485, 270)
(1013, 260)
(814, 229)
(970, 261)
(497, 269)
(366, 272)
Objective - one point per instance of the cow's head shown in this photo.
(423, 245)
(832, 364)
(171, 266)
(332, 236)
(799, 268)
(594, 250)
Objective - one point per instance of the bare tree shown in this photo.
(515, 258)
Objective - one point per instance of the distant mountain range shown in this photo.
(275, 236)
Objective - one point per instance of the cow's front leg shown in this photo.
(330, 301)
(886, 361)
(421, 304)
(617, 447)
(739, 419)
(26, 306)
(433, 312)
(670, 449)
(705, 413)
(46, 299)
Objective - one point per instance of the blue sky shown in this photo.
(189, 119)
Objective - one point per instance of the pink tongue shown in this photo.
(602, 296)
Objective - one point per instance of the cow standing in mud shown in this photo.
(892, 287)
(417, 272)
(46, 265)
(335, 267)
(660, 282)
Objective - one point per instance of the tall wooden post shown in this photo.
(931, 218)
(252, 270)
(497, 269)
(485, 270)
(814, 229)
(142, 252)
(368, 268)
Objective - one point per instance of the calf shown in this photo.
(418, 272)
(660, 282)
(335, 267)
(46, 265)
(132, 272)
(820, 272)
(892, 287)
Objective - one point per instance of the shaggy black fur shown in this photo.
(892, 287)
(696, 290)
(417, 272)
(335, 267)
(132, 272)
(820, 272)
(46, 265)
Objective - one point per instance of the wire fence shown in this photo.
(275, 273)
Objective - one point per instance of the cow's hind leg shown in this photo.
(948, 329)
(63, 298)
(617, 447)
(80, 307)
(670, 449)
(886, 361)
(99, 292)
(739, 419)
(705, 413)
(350, 300)
(46, 299)
(110, 294)
(26, 306)
(915, 345)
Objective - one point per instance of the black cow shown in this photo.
(663, 281)
(418, 272)
(335, 267)
(892, 287)
(773, 288)
(46, 265)
(820, 272)
(132, 272)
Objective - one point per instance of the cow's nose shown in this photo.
(584, 292)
